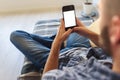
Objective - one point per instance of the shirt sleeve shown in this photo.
(54, 75)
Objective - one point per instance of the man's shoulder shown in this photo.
(91, 70)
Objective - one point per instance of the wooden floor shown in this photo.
(11, 59)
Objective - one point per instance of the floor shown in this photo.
(11, 59)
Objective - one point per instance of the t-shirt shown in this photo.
(74, 65)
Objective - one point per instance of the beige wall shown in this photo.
(36, 5)
(15, 6)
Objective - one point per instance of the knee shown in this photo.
(16, 35)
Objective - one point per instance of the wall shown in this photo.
(28, 5)
(12, 6)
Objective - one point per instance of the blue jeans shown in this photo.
(37, 48)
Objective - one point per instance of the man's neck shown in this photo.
(116, 64)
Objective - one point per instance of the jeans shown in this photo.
(37, 48)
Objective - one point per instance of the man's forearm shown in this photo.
(94, 37)
(52, 61)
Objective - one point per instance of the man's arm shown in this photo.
(89, 34)
(52, 61)
(82, 30)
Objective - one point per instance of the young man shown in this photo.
(71, 63)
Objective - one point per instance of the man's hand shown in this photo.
(62, 35)
(83, 31)
(80, 28)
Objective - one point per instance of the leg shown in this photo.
(75, 40)
(45, 41)
(30, 45)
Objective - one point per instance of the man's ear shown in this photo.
(115, 28)
(116, 20)
(114, 31)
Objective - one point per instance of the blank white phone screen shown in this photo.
(69, 18)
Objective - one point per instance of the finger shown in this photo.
(79, 23)
(62, 25)
(62, 22)
(67, 33)
(75, 29)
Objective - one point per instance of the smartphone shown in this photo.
(69, 16)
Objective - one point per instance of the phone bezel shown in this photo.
(69, 8)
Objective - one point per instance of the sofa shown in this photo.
(48, 28)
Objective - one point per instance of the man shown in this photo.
(71, 63)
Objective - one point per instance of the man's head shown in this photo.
(109, 11)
